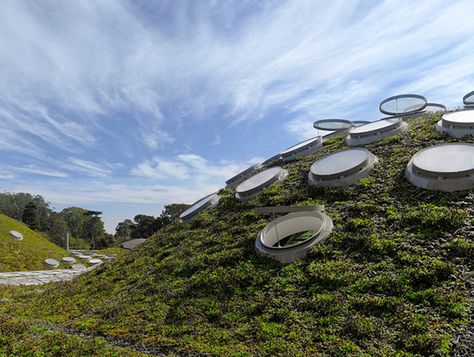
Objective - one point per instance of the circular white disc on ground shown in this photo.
(340, 163)
(200, 205)
(403, 104)
(79, 267)
(375, 127)
(446, 160)
(259, 182)
(51, 263)
(461, 119)
(86, 257)
(94, 261)
(17, 235)
(332, 124)
(468, 99)
(68, 260)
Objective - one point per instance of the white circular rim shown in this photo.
(324, 124)
(461, 119)
(16, 235)
(427, 170)
(51, 262)
(376, 127)
(361, 161)
(303, 145)
(200, 205)
(263, 178)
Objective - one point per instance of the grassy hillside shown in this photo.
(27, 254)
(392, 279)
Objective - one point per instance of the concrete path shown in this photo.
(37, 277)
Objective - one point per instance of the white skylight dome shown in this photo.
(457, 124)
(303, 148)
(468, 99)
(242, 176)
(206, 203)
(332, 124)
(253, 186)
(16, 235)
(342, 168)
(403, 104)
(444, 167)
(51, 263)
(291, 236)
(68, 260)
(375, 131)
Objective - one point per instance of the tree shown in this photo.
(94, 230)
(171, 212)
(144, 226)
(123, 230)
(30, 216)
(57, 228)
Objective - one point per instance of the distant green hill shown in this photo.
(27, 254)
(393, 278)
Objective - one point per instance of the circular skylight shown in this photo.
(51, 263)
(375, 131)
(201, 205)
(302, 148)
(85, 257)
(289, 237)
(332, 124)
(235, 180)
(435, 107)
(403, 104)
(378, 126)
(17, 235)
(468, 99)
(445, 167)
(342, 168)
(457, 124)
(94, 261)
(68, 260)
(257, 183)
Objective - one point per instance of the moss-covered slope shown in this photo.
(393, 278)
(27, 254)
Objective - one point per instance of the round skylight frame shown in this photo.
(303, 148)
(325, 173)
(287, 225)
(420, 170)
(255, 185)
(16, 235)
(242, 176)
(357, 123)
(441, 108)
(376, 131)
(468, 99)
(203, 204)
(457, 124)
(51, 263)
(413, 108)
(68, 260)
(325, 124)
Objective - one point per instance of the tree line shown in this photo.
(85, 227)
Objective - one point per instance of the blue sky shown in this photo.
(125, 106)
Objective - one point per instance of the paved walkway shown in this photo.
(37, 277)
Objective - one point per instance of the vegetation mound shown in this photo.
(27, 254)
(392, 279)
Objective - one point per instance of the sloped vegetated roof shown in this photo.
(393, 276)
